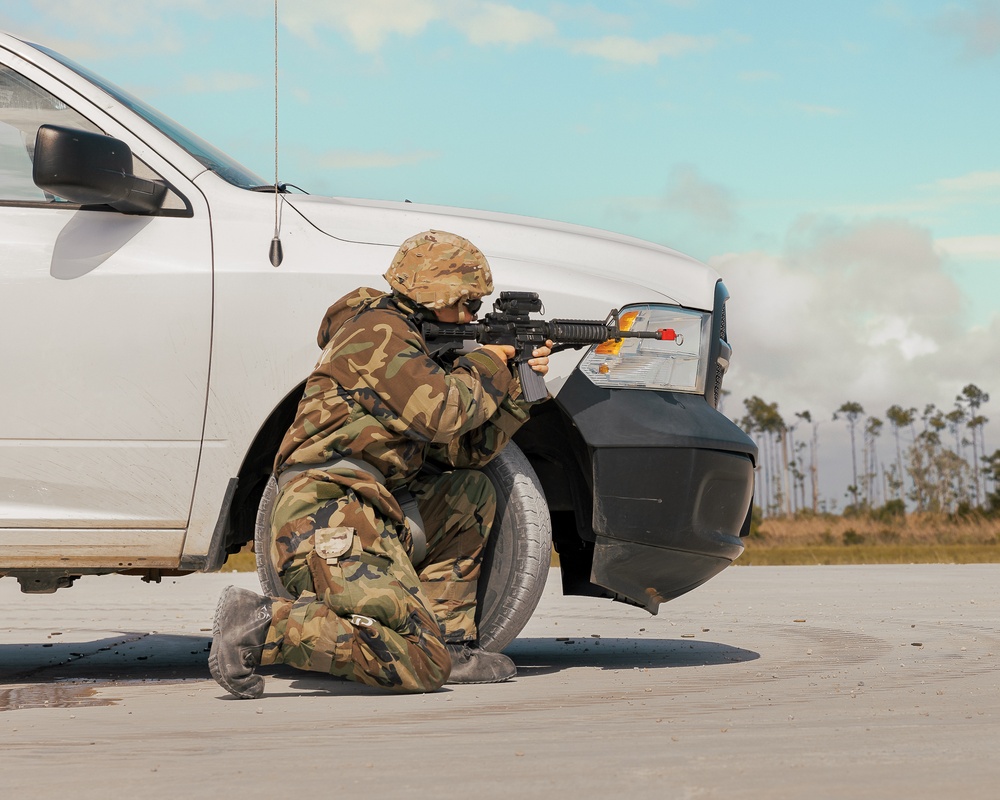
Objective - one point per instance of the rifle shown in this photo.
(510, 324)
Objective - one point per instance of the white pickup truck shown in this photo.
(153, 357)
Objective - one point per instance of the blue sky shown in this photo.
(837, 162)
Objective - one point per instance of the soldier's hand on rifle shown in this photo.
(540, 362)
(501, 351)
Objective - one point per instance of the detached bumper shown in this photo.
(672, 488)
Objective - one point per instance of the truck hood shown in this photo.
(545, 245)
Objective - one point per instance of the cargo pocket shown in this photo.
(331, 548)
(331, 544)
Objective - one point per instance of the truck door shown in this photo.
(106, 326)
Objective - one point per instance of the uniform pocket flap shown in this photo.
(333, 542)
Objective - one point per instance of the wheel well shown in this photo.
(256, 469)
(562, 461)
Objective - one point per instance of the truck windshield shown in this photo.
(211, 157)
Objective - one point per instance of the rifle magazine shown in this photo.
(532, 384)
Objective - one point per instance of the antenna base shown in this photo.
(275, 252)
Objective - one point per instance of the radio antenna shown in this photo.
(275, 253)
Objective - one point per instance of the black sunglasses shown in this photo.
(473, 306)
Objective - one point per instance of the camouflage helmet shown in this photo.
(438, 269)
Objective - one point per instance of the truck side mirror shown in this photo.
(90, 169)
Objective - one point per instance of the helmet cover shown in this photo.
(438, 269)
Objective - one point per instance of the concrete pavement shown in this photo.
(767, 682)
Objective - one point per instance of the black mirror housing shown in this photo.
(92, 169)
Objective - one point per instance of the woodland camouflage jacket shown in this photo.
(376, 395)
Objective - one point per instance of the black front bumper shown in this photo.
(672, 488)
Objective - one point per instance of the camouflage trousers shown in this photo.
(362, 610)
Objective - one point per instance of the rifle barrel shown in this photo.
(590, 332)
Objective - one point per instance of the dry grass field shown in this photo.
(830, 539)
(915, 538)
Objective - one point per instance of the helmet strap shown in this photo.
(415, 313)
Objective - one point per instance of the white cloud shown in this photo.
(631, 51)
(866, 313)
(977, 28)
(370, 159)
(820, 111)
(87, 30)
(972, 182)
(368, 24)
(113, 18)
(494, 23)
(898, 331)
(689, 192)
(590, 15)
(691, 209)
(974, 189)
(122, 18)
(890, 9)
(986, 248)
(371, 23)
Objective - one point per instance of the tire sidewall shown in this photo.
(518, 552)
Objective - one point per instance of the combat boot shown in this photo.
(241, 622)
(470, 664)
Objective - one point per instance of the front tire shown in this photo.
(270, 583)
(518, 552)
(515, 561)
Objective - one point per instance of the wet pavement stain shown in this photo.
(52, 696)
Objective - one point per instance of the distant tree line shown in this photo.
(938, 464)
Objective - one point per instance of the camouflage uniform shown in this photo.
(339, 540)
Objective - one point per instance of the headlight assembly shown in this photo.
(676, 365)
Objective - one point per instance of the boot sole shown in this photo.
(478, 683)
(510, 677)
(213, 658)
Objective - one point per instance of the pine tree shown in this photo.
(763, 418)
(899, 417)
(992, 471)
(806, 416)
(873, 429)
(852, 411)
(973, 397)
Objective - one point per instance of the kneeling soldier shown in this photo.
(381, 422)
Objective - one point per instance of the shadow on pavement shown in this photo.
(130, 657)
(116, 656)
(538, 656)
(541, 656)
